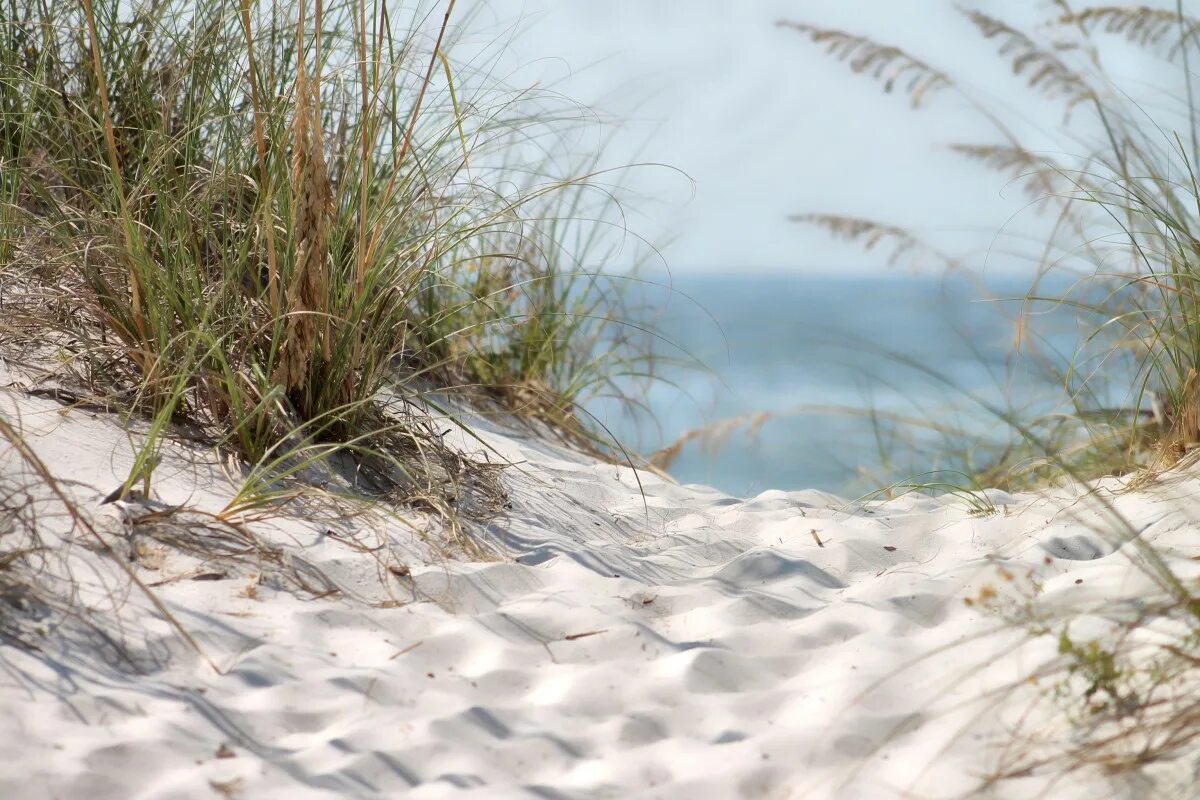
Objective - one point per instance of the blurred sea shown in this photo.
(789, 344)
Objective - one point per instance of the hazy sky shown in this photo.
(765, 125)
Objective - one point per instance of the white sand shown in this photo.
(682, 645)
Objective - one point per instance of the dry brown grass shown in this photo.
(307, 333)
(1042, 69)
(1040, 176)
(901, 244)
(1144, 26)
(890, 65)
(712, 437)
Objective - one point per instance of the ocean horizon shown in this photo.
(818, 353)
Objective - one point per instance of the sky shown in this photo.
(753, 123)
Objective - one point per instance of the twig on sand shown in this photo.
(575, 636)
(408, 649)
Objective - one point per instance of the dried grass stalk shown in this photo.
(885, 63)
(1043, 70)
(1040, 176)
(1141, 25)
(712, 437)
(870, 234)
(307, 298)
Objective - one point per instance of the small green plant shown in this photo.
(1098, 668)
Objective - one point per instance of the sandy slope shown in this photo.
(676, 643)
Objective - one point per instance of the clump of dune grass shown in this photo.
(284, 224)
(1124, 230)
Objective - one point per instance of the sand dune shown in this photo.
(652, 641)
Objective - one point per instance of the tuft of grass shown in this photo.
(270, 221)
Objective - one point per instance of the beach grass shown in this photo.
(1124, 238)
(288, 226)
(1123, 229)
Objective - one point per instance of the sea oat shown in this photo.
(1142, 25)
(1043, 70)
(886, 63)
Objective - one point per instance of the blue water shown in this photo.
(794, 345)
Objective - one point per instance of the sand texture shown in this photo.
(633, 641)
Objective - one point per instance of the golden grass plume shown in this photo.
(870, 234)
(308, 327)
(1141, 25)
(1043, 70)
(885, 63)
(1038, 175)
